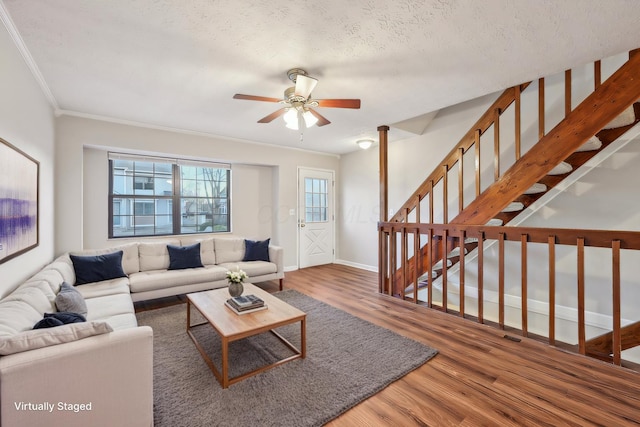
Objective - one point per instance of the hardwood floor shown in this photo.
(479, 377)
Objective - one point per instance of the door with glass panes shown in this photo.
(315, 217)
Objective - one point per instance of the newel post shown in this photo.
(384, 173)
(383, 246)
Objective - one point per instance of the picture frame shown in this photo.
(19, 202)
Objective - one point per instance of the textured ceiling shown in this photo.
(177, 64)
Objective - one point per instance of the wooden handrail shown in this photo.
(614, 95)
(466, 142)
(581, 239)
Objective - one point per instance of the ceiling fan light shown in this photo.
(364, 143)
(309, 119)
(305, 85)
(291, 118)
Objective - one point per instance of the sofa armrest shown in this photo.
(110, 374)
(276, 255)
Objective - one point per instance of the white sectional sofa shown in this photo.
(100, 372)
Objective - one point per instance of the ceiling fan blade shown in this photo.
(338, 103)
(305, 85)
(255, 98)
(272, 116)
(321, 119)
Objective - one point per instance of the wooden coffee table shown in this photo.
(232, 327)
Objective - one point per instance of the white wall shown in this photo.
(264, 179)
(27, 122)
(410, 162)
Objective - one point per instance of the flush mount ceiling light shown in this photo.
(364, 143)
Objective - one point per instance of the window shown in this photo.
(316, 201)
(157, 196)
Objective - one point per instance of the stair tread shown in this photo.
(514, 207)
(456, 252)
(561, 169)
(592, 144)
(423, 278)
(536, 188)
(625, 118)
(438, 265)
(495, 222)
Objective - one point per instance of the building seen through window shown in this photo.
(156, 196)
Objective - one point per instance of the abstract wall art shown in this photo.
(18, 202)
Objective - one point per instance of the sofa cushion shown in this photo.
(161, 279)
(95, 268)
(17, 316)
(229, 250)
(183, 257)
(252, 268)
(130, 256)
(207, 250)
(104, 288)
(256, 250)
(103, 308)
(37, 294)
(122, 321)
(38, 338)
(52, 276)
(64, 266)
(155, 256)
(69, 299)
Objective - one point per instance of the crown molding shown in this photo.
(26, 55)
(124, 122)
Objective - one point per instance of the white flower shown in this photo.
(237, 276)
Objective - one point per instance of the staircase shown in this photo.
(586, 129)
(563, 149)
(588, 150)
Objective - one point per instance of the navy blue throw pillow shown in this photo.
(60, 318)
(181, 257)
(256, 250)
(48, 322)
(96, 268)
(66, 317)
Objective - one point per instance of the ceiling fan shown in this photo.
(298, 112)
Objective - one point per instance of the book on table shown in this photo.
(245, 310)
(246, 301)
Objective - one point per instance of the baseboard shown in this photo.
(291, 268)
(372, 268)
(569, 314)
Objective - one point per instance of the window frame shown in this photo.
(174, 200)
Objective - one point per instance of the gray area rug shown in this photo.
(348, 359)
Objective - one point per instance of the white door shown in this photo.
(315, 217)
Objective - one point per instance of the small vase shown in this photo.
(236, 289)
